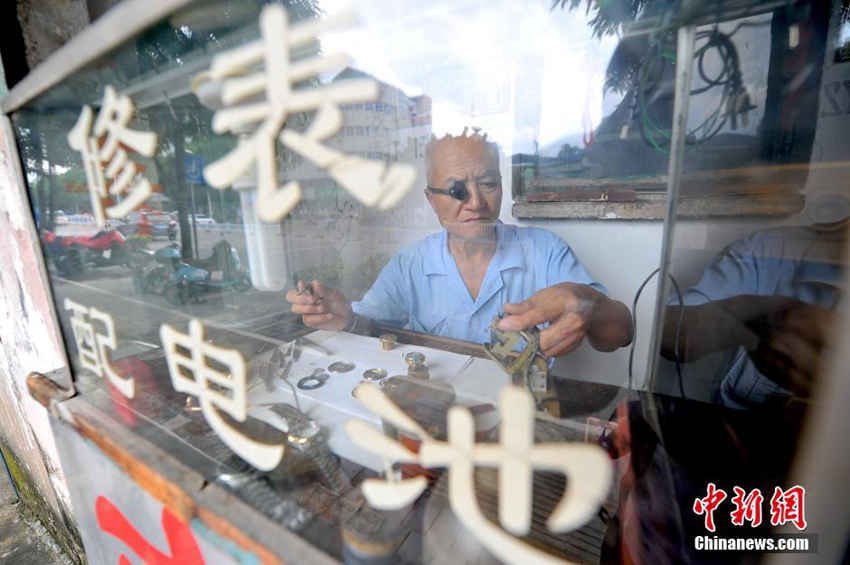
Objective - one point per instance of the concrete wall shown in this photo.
(29, 341)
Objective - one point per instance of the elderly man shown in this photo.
(455, 282)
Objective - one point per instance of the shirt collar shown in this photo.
(508, 255)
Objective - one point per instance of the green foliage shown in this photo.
(608, 15)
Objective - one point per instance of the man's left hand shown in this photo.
(565, 306)
(573, 312)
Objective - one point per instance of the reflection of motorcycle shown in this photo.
(220, 272)
(154, 269)
(72, 255)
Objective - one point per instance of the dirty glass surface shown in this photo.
(577, 106)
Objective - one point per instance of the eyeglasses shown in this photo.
(458, 190)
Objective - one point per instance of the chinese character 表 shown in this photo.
(747, 507)
(192, 373)
(586, 466)
(92, 346)
(109, 160)
(708, 505)
(788, 506)
(373, 183)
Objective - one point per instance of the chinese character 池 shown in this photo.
(192, 373)
(587, 467)
(374, 183)
(108, 160)
(92, 346)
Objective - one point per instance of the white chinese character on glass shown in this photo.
(587, 467)
(216, 390)
(374, 183)
(92, 346)
(108, 160)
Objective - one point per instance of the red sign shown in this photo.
(181, 541)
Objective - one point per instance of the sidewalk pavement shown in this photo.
(23, 541)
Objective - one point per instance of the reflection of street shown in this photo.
(208, 235)
(139, 316)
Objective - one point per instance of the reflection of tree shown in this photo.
(184, 124)
(609, 15)
(41, 136)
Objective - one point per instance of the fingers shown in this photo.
(518, 308)
(320, 290)
(564, 328)
(515, 322)
(293, 297)
(787, 360)
(309, 309)
(318, 320)
(571, 342)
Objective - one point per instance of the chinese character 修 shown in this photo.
(516, 457)
(109, 160)
(92, 346)
(709, 504)
(192, 373)
(747, 507)
(788, 506)
(374, 183)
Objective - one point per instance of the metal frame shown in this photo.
(684, 53)
(105, 34)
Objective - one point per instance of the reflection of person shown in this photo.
(769, 297)
(455, 282)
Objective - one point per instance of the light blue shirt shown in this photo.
(799, 263)
(421, 289)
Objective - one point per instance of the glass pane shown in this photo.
(303, 224)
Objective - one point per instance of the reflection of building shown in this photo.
(329, 227)
(395, 127)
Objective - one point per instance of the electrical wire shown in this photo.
(651, 76)
(678, 330)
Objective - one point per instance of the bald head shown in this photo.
(450, 150)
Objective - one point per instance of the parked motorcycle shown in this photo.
(152, 270)
(221, 271)
(164, 272)
(72, 255)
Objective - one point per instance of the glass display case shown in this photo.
(373, 271)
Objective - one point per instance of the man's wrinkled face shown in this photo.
(475, 162)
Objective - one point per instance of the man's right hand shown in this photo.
(323, 308)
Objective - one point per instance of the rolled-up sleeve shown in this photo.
(562, 265)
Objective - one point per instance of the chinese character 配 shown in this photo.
(109, 160)
(216, 390)
(92, 346)
(586, 466)
(373, 183)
